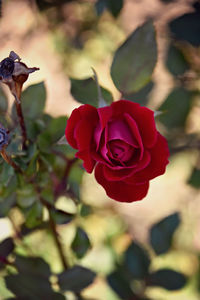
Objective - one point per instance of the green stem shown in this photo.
(9, 160)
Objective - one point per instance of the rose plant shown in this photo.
(123, 145)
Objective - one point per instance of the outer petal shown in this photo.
(71, 125)
(121, 191)
(159, 159)
(88, 162)
(143, 117)
(87, 112)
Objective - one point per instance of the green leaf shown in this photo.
(194, 179)
(32, 266)
(6, 204)
(3, 102)
(34, 216)
(168, 279)
(186, 27)
(120, 285)
(135, 60)
(32, 166)
(85, 210)
(176, 108)
(114, 6)
(76, 279)
(142, 96)
(30, 287)
(33, 101)
(26, 195)
(81, 243)
(100, 6)
(54, 131)
(61, 217)
(6, 174)
(137, 261)
(176, 62)
(161, 234)
(85, 91)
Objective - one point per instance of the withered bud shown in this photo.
(6, 68)
(4, 137)
(14, 73)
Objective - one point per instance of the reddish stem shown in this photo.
(22, 124)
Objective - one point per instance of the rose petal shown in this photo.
(119, 130)
(143, 117)
(105, 115)
(126, 173)
(121, 191)
(159, 160)
(88, 162)
(71, 125)
(132, 124)
(87, 112)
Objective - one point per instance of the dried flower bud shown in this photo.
(14, 73)
(4, 138)
(6, 68)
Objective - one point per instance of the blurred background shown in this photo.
(66, 39)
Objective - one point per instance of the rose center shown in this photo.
(120, 150)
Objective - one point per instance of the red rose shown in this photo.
(122, 143)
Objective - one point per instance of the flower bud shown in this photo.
(4, 137)
(14, 73)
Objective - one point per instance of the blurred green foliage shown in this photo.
(51, 174)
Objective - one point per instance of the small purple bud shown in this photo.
(7, 66)
(4, 137)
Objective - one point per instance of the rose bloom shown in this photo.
(121, 142)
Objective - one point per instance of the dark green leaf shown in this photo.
(187, 28)
(168, 279)
(86, 210)
(32, 266)
(137, 261)
(3, 102)
(61, 217)
(81, 243)
(120, 285)
(176, 108)
(135, 60)
(26, 195)
(161, 234)
(35, 215)
(76, 279)
(33, 101)
(85, 91)
(29, 287)
(54, 131)
(6, 204)
(6, 247)
(115, 6)
(142, 96)
(194, 179)
(32, 166)
(176, 62)
(100, 6)
(6, 174)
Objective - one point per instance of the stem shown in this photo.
(9, 160)
(61, 187)
(22, 124)
(57, 241)
(52, 225)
